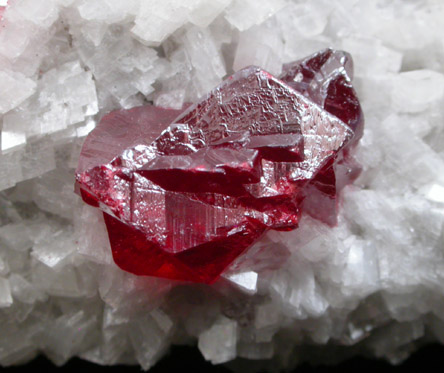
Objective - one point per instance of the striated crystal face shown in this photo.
(185, 192)
(325, 78)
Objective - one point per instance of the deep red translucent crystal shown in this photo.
(185, 192)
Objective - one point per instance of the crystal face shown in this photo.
(185, 192)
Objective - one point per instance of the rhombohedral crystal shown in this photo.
(185, 192)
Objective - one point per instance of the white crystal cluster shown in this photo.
(372, 285)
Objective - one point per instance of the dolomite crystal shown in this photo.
(185, 192)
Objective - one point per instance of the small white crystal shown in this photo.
(360, 275)
(24, 291)
(304, 20)
(5, 293)
(15, 236)
(246, 281)
(149, 336)
(54, 193)
(67, 95)
(155, 21)
(10, 171)
(14, 39)
(371, 57)
(207, 11)
(267, 315)
(55, 249)
(4, 267)
(69, 334)
(262, 47)
(37, 159)
(415, 91)
(41, 14)
(70, 283)
(201, 50)
(15, 89)
(245, 13)
(305, 298)
(107, 11)
(11, 140)
(218, 343)
(173, 99)
(93, 241)
(435, 193)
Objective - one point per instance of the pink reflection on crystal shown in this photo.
(3, 8)
(186, 192)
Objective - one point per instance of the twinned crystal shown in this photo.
(185, 192)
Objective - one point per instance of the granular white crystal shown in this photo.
(415, 91)
(245, 13)
(373, 284)
(68, 334)
(218, 343)
(15, 89)
(5, 293)
(149, 337)
(247, 281)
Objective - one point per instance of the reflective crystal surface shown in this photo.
(184, 192)
(325, 78)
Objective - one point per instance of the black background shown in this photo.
(189, 359)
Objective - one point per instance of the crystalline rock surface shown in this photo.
(320, 238)
(185, 192)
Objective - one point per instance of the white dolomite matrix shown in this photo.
(374, 284)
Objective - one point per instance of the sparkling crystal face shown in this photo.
(185, 192)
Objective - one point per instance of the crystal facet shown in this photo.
(185, 192)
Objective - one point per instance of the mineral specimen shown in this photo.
(371, 285)
(185, 192)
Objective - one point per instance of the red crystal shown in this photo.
(185, 192)
(325, 78)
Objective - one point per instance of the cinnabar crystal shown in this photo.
(185, 192)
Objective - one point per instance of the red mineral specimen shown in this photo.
(185, 192)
